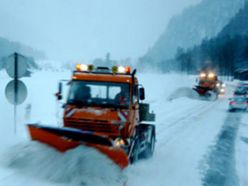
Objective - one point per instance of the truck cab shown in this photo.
(108, 102)
(103, 102)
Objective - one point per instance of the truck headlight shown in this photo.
(202, 75)
(211, 75)
(119, 142)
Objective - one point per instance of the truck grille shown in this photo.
(100, 127)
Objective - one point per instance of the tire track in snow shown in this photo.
(220, 163)
(7, 176)
(181, 147)
(180, 121)
(241, 149)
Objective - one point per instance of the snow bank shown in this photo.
(80, 166)
(242, 151)
(184, 92)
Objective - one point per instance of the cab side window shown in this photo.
(135, 94)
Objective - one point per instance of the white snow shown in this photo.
(183, 135)
(73, 167)
(186, 129)
(242, 151)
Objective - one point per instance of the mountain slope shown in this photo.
(238, 25)
(228, 51)
(204, 20)
(7, 47)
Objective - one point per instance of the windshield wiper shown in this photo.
(78, 102)
(109, 105)
(115, 106)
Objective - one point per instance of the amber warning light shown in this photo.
(115, 69)
(121, 69)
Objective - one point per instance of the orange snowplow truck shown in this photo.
(104, 110)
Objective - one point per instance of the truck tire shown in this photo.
(148, 153)
(136, 151)
(231, 110)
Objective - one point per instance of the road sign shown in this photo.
(16, 65)
(16, 92)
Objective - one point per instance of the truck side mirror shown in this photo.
(59, 93)
(142, 93)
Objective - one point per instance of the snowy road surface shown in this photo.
(198, 142)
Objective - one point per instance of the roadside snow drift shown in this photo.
(184, 92)
(80, 166)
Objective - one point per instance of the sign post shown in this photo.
(16, 91)
(15, 88)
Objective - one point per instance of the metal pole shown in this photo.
(15, 88)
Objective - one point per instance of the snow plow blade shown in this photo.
(201, 90)
(63, 139)
(206, 93)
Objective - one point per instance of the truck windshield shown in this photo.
(104, 94)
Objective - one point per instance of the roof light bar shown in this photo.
(121, 69)
(115, 69)
(84, 67)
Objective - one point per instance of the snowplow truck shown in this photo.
(207, 85)
(104, 110)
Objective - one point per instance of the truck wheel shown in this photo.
(150, 147)
(135, 154)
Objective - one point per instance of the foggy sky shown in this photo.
(70, 29)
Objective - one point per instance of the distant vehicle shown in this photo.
(240, 91)
(209, 86)
(238, 103)
(221, 87)
(243, 85)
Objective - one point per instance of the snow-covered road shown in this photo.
(188, 133)
(183, 141)
(241, 151)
